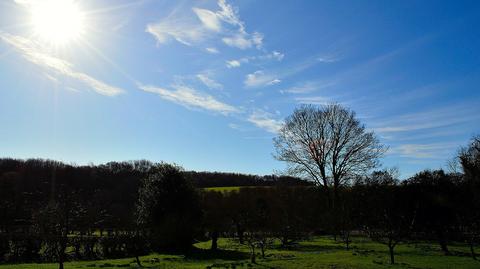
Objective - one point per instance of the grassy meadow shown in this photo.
(321, 252)
(223, 189)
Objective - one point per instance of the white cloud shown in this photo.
(265, 121)
(51, 78)
(257, 40)
(278, 55)
(210, 83)
(424, 151)
(182, 31)
(243, 40)
(274, 55)
(187, 30)
(229, 15)
(273, 82)
(235, 127)
(212, 50)
(327, 59)
(453, 115)
(209, 19)
(191, 98)
(233, 63)
(239, 41)
(34, 53)
(239, 62)
(259, 78)
(315, 100)
(301, 88)
(307, 87)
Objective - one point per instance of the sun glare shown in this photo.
(57, 21)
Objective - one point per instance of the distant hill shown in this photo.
(221, 179)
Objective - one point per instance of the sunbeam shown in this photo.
(57, 21)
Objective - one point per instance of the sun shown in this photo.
(57, 21)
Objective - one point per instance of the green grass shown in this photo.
(223, 189)
(321, 252)
(227, 189)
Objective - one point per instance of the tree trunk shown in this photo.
(347, 240)
(214, 240)
(252, 256)
(137, 259)
(61, 259)
(392, 257)
(443, 242)
(240, 236)
(61, 253)
(263, 250)
(335, 202)
(284, 241)
(472, 250)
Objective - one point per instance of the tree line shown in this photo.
(92, 208)
(164, 211)
(53, 212)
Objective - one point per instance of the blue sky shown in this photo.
(206, 84)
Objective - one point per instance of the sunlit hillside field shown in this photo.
(223, 189)
(231, 188)
(320, 252)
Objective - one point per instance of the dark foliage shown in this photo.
(168, 209)
(53, 212)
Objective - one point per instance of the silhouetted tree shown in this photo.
(470, 159)
(469, 210)
(435, 193)
(388, 215)
(294, 212)
(57, 220)
(328, 145)
(215, 217)
(168, 206)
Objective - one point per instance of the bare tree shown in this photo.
(327, 144)
(470, 159)
(386, 213)
(469, 213)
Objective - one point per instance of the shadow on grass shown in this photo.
(318, 248)
(207, 254)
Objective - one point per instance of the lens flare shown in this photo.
(57, 21)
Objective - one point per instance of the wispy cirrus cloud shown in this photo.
(243, 41)
(191, 98)
(240, 38)
(260, 78)
(315, 100)
(188, 30)
(424, 151)
(183, 31)
(236, 127)
(264, 78)
(307, 87)
(301, 88)
(233, 63)
(209, 19)
(328, 59)
(212, 50)
(209, 82)
(36, 54)
(429, 119)
(274, 55)
(265, 120)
